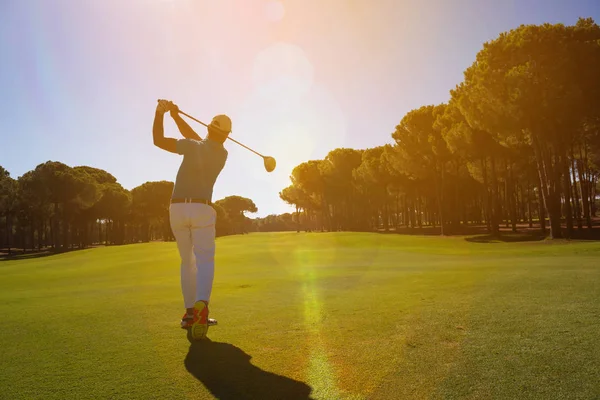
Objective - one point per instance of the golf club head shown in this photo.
(270, 163)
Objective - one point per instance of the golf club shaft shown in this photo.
(228, 137)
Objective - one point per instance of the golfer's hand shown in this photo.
(163, 106)
(174, 110)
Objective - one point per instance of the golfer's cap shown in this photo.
(221, 122)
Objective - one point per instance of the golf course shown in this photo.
(309, 315)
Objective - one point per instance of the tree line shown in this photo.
(61, 207)
(517, 143)
(273, 223)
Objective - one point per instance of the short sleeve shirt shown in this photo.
(202, 163)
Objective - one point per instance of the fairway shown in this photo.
(325, 315)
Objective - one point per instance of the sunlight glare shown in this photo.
(274, 11)
(283, 69)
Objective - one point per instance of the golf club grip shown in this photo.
(190, 117)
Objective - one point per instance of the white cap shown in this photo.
(221, 122)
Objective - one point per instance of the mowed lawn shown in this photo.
(325, 315)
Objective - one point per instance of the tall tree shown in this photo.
(235, 207)
(338, 189)
(65, 190)
(150, 210)
(528, 86)
(373, 180)
(293, 196)
(101, 213)
(224, 225)
(114, 208)
(309, 177)
(8, 205)
(424, 150)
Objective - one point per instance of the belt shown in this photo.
(190, 200)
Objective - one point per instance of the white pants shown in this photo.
(193, 226)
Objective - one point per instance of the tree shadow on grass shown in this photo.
(533, 235)
(26, 255)
(226, 371)
(506, 238)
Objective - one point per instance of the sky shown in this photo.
(79, 79)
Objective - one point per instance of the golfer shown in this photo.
(192, 216)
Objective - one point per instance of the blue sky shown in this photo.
(80, 79)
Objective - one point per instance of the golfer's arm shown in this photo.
(158, 135)
(186, 130)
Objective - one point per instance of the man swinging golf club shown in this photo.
(192, 216)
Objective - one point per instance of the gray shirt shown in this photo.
(202, 163)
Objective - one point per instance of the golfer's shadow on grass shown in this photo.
(227, 373)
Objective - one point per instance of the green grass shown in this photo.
(347, 316)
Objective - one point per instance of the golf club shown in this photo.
(269, 162)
